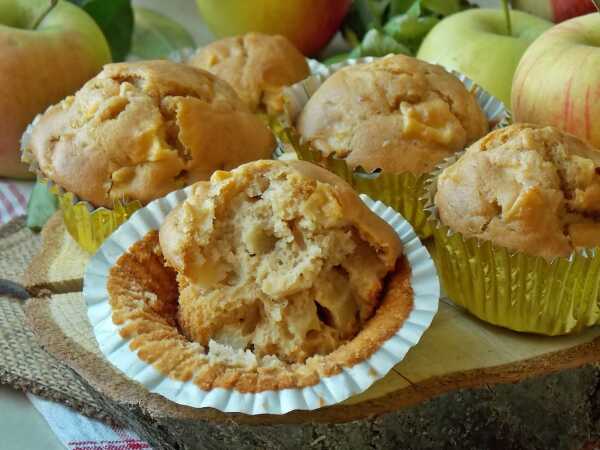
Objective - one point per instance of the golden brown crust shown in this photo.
(142, 292)
(398, 114)
(526, 187)
(256, 65)
(140, 130)
(374, 228)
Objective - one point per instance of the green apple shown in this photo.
(46, 53)
(475, 42)
(555, 10)
(309, 24)
(558, 79)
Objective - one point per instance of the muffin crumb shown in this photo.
(279, 259)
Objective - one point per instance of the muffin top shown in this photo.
(279, 259)
(139, 130)
(525, 187)
(256, 65)
(397, 114)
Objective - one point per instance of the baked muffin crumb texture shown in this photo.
(283, 276)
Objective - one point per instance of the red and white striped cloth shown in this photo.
(13, 198)
(78, 432)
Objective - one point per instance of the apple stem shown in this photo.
(506, 7)
(596, 4)
(51, 5)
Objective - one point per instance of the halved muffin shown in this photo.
(283, 276)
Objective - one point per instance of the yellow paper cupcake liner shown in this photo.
(512, 289)
(89, 226)
(402, 191)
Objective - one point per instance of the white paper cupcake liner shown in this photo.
(330, 390)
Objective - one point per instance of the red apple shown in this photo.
(557, 81)
(309, 24)
(40, 63)
(556, 10)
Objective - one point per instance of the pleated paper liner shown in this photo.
(510, 288)
(88, 225)
(402, 191)
(328, 391)
(91, 227)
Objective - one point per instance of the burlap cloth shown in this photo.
(23, 363)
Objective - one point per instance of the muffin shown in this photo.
(384, 123)
(283, 276)
(397, 114)
(139, 130)
(519, 213)
(256, 65)
(529, 188)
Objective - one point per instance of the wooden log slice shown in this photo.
(59, 265)
(466, 385)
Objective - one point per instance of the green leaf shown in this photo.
(337, 58)
(371, 12)
(442, 7)
(351, 38)
(363, 15)
(409, 29)
(353, 24)
(115, 19)
(377, 43)
(415, 10)
(355, 53)
(155, 35)
(400, 6)
(379, 8)
(42, 204)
